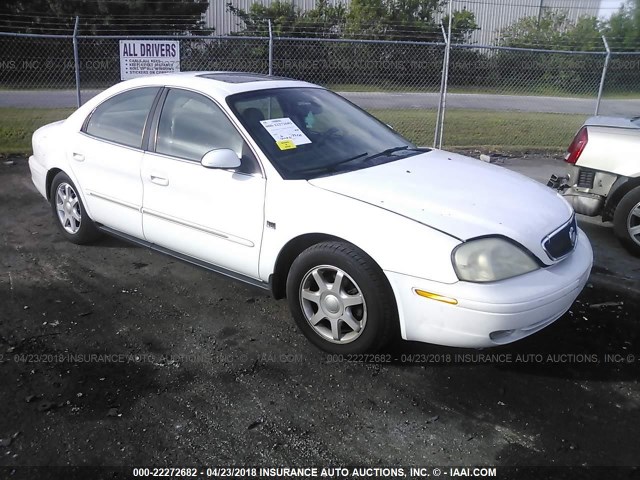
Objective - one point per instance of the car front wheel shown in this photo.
(340, 299)
(69, 212)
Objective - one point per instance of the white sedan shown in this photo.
(287, 186)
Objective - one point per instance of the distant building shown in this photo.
(492, 16)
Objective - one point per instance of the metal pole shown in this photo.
(540, 13)
(436, 134)
(76, 60)
(604, 73)
(270, 49)
(446, 76)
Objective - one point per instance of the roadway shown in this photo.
(382, 100)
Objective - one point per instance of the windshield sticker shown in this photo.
(285, 144)
(284, 129)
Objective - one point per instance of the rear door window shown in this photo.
(122, 118)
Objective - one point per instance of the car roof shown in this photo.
(217, 83)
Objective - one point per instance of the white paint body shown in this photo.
(613, 146)
(607, 168)
(408, 215)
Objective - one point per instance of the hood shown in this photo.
(460, 196)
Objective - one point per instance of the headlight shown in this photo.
(491, 259)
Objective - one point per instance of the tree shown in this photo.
(122, 17)
(623, 34)
(623, 28)
(287, 20)
(328, 19)
(413, 20)
(551, 73)
(283, 16)
(395, 19)
(555, 31)
(462, 25)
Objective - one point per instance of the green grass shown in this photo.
(505, 131)
(18, 124)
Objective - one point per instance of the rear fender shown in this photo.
(619, 189)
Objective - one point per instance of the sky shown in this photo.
(608, 7)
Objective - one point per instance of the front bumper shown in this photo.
(495, 313)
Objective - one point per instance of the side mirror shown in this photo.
(220, 158)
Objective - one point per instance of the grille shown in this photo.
(586, 178)
(561, 242)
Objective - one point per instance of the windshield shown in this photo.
(311, 132)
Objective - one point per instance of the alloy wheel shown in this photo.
(68, 208)
(333, 304)
(633, 223)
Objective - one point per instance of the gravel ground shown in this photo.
(114, 355)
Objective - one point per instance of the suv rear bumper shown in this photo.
(585, 189)
(584, 203)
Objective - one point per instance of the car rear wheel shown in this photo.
(340, 299)
(69, 212)
(626, 221)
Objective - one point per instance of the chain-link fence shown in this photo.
(490, 97)
(525, 99)
(622, 85)
(28, 62)
(40, 61)
(100, 57)
(373, 74)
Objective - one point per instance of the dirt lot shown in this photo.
(113, 355)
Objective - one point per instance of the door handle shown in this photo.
(78, 157)
(159, 180)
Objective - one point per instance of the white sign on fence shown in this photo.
(148, 57)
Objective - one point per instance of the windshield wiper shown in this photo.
(389, 151)
(332, 166)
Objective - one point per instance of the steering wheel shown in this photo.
(332, 132)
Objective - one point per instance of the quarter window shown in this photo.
(122, 118)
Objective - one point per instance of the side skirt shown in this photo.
(185, 258)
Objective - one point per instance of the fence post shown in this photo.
(76, 60)
(446, 75)
(604, 73)
(270, 49)
(436, 134)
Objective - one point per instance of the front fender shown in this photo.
(394, 242)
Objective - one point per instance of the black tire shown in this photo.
(361, 280)
(71, 218)
(626, 217)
